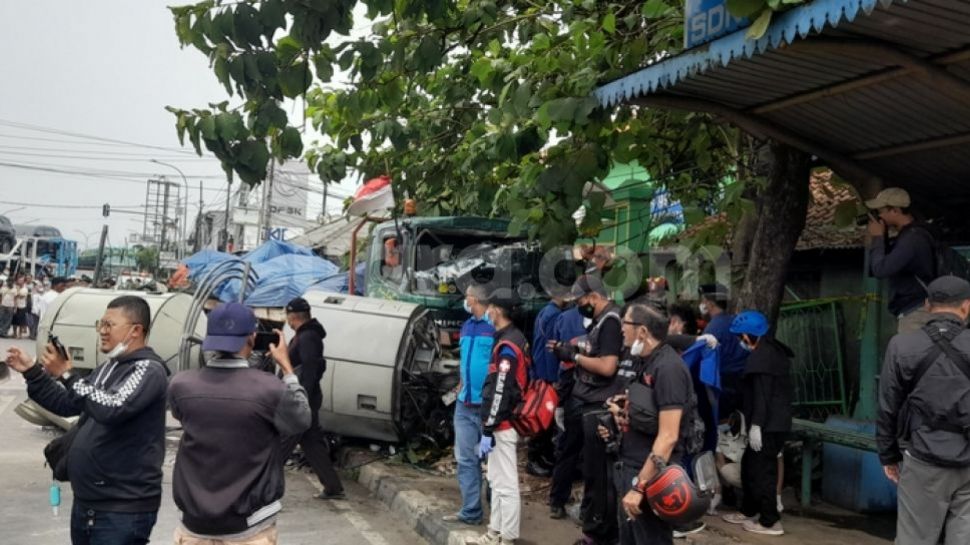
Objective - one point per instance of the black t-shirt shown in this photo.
(606, 339)
(673, 389)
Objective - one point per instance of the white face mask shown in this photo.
(703, 308)
(637, 348)
(120, 348)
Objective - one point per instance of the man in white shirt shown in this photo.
(8, 305)
(43, 302)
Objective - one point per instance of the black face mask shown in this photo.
(587, 310)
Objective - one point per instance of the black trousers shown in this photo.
(759, 479)
(317, 453)
(646, 528)
(542, 449)
(599, 496)
(568, 454)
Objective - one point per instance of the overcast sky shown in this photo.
(104, 69)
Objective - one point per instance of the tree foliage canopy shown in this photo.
(472, 106)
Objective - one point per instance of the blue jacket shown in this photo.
(733, 357)
(545, 365)
(569, 325)
(477, 339)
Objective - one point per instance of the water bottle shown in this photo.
(55, 497)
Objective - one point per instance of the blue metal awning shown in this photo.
(878, 89)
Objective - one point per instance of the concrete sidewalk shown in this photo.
(423, 497)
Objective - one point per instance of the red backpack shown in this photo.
(537, 409)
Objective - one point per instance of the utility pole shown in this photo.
(224, 243)
(99, 264)
(198, 222)
(268, 203)
(325, 188)
(161, 244)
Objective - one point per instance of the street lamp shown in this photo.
(185, 209)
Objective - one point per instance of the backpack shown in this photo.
(537, 408)
(946, 260)
(644, 416)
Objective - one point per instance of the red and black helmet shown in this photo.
(674, 497)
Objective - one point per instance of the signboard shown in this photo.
(706, 20)
(289, 201)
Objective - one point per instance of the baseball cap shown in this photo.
(298, 304)
(948, 289)
(58, 280)
(891, 196)
(717, 292)
(228, 327)
(587, 284)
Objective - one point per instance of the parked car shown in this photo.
(8, 235)
(39, 231)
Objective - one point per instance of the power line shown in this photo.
(48, 130)
(93, 206)
(140, 159)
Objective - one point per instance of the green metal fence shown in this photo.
(813, 330)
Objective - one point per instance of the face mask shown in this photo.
(587, 310)
(744, 345)
(467, 307)
(120, 348)
(637, 348)
(488, 319)
(703, 308)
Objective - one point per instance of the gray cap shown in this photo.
(588, 283)
(891, 196)
(948, 290)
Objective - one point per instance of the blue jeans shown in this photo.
(90, 527)
(468, 435)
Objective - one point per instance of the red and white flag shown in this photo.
(373, 196)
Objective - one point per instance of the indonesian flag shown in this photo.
(373, 196)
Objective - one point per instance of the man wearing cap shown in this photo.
(594, 371)
(908, 260)
(306, 355)
(228, 477)
(923, 418)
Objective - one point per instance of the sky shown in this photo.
(83, 90)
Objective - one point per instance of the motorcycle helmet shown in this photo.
(674, 498)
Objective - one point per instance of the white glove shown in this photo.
(754, 439)
(560, 415)
(712, 510)
(709, 340)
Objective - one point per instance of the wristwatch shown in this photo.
(639, 486)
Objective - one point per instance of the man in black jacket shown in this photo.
(115, 460)
(306, 353)
(924, 415)
(228, 477)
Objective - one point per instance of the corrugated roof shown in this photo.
(884, 85)
(821, 231)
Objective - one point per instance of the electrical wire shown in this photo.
(49, 130)
(94, 206)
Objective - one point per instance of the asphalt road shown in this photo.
(26, 517)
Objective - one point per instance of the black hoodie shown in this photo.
(115, 461)
(306, 355)
(768, 386)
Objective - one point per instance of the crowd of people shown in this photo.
(639, 391)
(24, 300)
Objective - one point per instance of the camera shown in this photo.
(58, 346)
(612, 441)
(863, 219)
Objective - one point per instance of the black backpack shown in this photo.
(946, 260)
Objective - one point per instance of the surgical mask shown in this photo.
(703, 308)
(120, 348)
(747, 347)
(637, 348)
(488, 319)
(587, 310)
(467, 307)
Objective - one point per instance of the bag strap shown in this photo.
(944, 344)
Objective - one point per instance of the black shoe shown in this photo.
(325, 495)
(537, 470)
(557, 512)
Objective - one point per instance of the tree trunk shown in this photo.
(779, 218)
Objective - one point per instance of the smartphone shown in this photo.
(52, 339)
(264, 339)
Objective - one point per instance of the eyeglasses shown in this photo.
(102, 325)
(629, 322)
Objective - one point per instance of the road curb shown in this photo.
(422, 511)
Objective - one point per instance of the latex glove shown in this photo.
(565, 351)
(560, 416)
(754, 439)
(486, 446)
(709, 340)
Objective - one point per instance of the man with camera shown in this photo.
(228, 477)
(114, 462)
(594, 371)
(922, 423)
(908, 260)
(650, 416)
(306, 355)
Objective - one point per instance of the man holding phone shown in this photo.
(115, 460)
(306, 353)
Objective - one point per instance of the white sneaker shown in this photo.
(737, 518)
(488, 538)
(781, 506)
(686, 530)
(755, 527)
